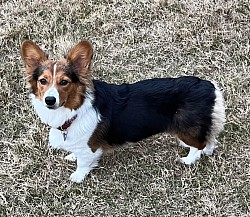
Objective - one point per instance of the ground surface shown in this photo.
(133, 40)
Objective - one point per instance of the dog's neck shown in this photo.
(67, 123)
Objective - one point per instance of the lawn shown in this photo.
(133, 40)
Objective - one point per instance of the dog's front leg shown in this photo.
(55, 138)
(70, 157)
(86, 161)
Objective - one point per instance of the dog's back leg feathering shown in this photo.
(218, 119)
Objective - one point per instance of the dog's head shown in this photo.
(58, 83)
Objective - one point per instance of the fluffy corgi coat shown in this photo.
(89, 116)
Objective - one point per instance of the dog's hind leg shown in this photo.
(209, 149)
(195, 148)
(218, 121)
(183, 144)
(193, 155)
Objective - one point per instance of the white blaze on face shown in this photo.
(52, 91)
(54, 75)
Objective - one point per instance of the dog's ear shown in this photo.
(32, 55)
(79, 57)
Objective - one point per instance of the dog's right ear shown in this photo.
(32, 56)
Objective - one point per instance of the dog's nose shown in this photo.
(50, 100)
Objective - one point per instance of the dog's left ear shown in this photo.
(79, 57)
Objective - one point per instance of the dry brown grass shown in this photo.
(133, 40)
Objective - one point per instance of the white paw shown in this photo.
(70, 157)
(79, 175)
(187, 160)
(208, 151)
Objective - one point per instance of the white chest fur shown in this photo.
(81, 129)
(78, 134)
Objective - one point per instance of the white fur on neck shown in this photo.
(57, 117)
(79, 132)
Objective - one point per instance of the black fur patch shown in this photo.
(69, 71)
(37, 72)
(131, 112)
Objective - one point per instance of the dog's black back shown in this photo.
(131, 112)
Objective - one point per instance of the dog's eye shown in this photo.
(43, 81)
(63, 82)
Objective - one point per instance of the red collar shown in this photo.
(67, 124)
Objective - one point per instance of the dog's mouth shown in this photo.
(52, 107)
(55, 106)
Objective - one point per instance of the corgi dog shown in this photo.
(88, 117)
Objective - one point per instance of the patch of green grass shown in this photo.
(133, 40)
